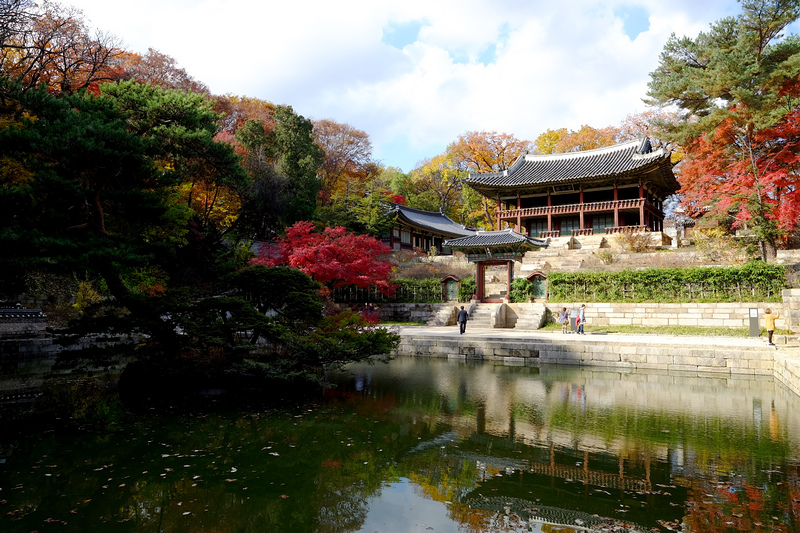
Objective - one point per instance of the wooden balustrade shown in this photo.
(549, 234)
(627, 229)
(591, 207)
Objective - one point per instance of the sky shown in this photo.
(415, 74)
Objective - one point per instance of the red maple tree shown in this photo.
(334, 257)
(737, 170)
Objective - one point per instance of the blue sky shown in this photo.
(415, 74)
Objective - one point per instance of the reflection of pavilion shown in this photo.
(535, 512)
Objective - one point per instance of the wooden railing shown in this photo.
(591, 207)
(590, 231)
(627, 229)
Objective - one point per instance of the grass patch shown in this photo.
(396, 323)
(698, 331)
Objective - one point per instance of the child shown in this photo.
(563, 319)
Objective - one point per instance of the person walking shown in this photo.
(769, 324)
(462, 320)
(581, 319)
(563, 319)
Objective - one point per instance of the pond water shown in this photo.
(432, 445)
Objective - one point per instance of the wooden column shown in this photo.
(519, 215)
(641, 204)
(580, 213)
(478, 282)
(509, 277)
(549, 214)
(497, 213)
(616, 206)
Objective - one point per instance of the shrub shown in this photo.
(466, 289)
(606, 256)
(521, 290)
(633, 242)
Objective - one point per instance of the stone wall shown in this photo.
(22, 327)
(410, 312)
(723, 315)
(624, 353)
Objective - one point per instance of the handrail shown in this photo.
(609, 205)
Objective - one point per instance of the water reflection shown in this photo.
(434, 445)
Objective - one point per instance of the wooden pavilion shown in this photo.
(620, 188)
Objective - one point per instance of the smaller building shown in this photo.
(493, 252)
(424, 230)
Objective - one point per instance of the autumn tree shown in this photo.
(483, 151)
(333, 257)
(487, 151)
(563, 140)
(53, 46)
(437, 183)
(735, 87)
(15, 18)
(237, 110)
(347, 165)
(157, 68)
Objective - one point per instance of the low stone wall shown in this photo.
(622, 353)
(410, 312)
(23, 349)
(723, 315)
(12, 327)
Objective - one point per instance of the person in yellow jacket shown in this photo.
(769, 323)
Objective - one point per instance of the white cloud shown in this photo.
(554, 64)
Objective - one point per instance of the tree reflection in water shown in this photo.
(452, 446)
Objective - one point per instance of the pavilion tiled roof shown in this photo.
(431, 221)
(499, 238)
(531, 171)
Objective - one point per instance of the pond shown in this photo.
(432, 445)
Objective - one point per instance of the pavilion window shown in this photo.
(568, 224)
(601, 222)
(538, 226)
(405, 236)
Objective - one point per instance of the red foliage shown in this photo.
(727, 172)
(334, 257)
(398, 199)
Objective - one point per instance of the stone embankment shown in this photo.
(685, 354)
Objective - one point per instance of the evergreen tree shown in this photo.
(735, 84)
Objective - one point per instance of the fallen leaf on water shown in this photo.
(284, 496)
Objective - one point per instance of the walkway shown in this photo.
(557, 336)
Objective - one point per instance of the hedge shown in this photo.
(753, 282)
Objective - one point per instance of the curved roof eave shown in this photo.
(540, 171)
